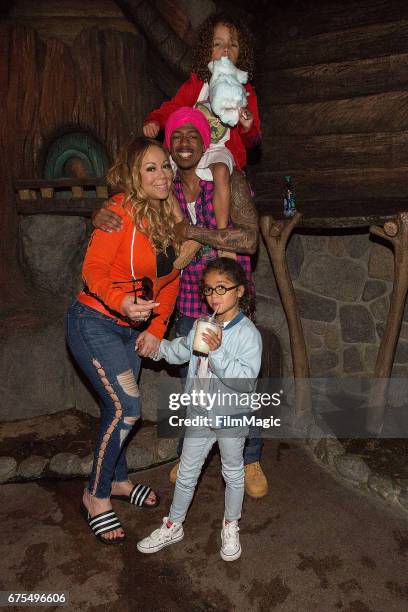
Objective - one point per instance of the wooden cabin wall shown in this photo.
(332, 86)
(98, 84)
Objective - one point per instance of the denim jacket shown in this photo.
(233, 368)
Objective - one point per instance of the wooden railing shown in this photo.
(40, 196)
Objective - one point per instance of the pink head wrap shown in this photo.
(184, 115)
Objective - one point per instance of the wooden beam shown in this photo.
(61, 182)
(340, 184)
(331, 81)
(357, 43)
(342, 214)
(333, 151)
(387, 112)
(62, 206)
(305, 18)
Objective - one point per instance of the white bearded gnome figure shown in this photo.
(226, 92)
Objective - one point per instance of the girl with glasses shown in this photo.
(233, 363)
(130, 288)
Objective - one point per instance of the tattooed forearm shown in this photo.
(243, 211)
(233, 239)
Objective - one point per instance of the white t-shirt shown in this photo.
(192, 212)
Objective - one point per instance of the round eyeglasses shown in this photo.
(219, 289)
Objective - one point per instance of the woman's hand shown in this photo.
(138, 312)
(151, 129)
(147, 344)
(212, 339)
(246, 119)
(107, 220)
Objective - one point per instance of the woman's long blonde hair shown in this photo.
(125, 176)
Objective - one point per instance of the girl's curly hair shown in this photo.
(125, 176)
(203, 50)
(236, 274)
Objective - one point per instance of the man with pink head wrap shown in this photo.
(183, 124)
(183, 116)
(216, 164)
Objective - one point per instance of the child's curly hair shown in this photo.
(203, 51)
(236, 274)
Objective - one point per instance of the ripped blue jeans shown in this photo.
(105, 352)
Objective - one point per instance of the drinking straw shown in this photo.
(213, 314)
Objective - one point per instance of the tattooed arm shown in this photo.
(243, 237)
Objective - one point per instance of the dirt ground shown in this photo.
(311, 545)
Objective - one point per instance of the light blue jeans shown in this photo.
(197, 445)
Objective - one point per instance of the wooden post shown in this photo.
(395, 232)
(47, 192)
(102, 191)
(77, 191)
(276, 235)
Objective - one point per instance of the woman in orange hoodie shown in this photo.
(130, 288)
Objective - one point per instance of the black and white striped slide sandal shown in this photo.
(138, 496)
(103, 523)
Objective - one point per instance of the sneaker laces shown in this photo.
(231, 530)
(161, 531)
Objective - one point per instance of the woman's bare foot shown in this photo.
(125, 488)
(95, 506)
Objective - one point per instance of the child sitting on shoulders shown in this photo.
(219, 36)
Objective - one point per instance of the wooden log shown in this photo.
(35, 183)
(331, 151)
(77, 192)
(24, 194)
(338, 214)
(339, 184)
(108, 98)
(102, 191)
(336, 80)
(276, 236)
(47, 192)
(66, 9)
(67, 29)
(388, 345)
(59, 87)
(59, 206)
(304, 18)
(387, 112)
(358, 43)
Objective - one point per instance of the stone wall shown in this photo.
(343, 285)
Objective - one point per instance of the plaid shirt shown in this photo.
(190, 301)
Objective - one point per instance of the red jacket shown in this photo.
(239, 140)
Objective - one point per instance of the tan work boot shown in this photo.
(173, 473)
(188, 251)
(256, 484)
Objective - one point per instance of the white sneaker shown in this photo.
(164, 536)
(230, 546)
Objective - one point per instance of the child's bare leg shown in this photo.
(222, 200)
(190, 247)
